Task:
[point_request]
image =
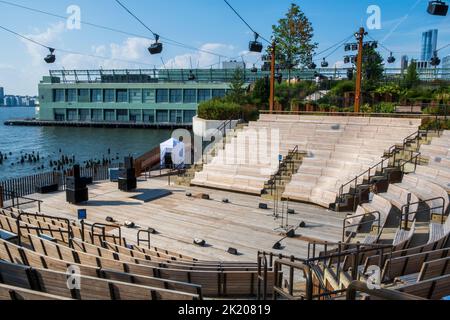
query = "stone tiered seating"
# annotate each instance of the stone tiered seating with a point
(338, 160)
(359, 142)
(399, 198)
(426, 190)
(440, 176)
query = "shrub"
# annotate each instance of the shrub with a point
(385, 107)
(218, 109)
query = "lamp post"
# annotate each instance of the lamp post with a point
(360, 37)
(272, 78)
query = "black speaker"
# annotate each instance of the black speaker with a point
(127, 173)
(127, 184)
(233, 251)
(73, 183)
(129, 163)
(77, 196)
(290, 233)
(76, 171)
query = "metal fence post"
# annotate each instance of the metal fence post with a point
(1, 196)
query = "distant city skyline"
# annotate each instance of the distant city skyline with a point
(429, 44)
(206, 24)
(11, 100)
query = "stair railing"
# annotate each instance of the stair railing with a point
(406, 213)
(362, 223)
(389, 156)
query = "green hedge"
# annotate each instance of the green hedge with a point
(217, 109)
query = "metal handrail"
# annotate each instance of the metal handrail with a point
(361, 223)
(69, 230)
(278, 288)
(103, 226)
(405, 216)
(16, 204)
(359, 286)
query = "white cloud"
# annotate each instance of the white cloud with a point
(47, 37)
(201, 59)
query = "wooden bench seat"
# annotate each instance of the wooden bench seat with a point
(55, 283)
(16, 293)
(434, 289)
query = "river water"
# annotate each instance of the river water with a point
(51, 143)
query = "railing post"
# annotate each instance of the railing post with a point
(1, 196)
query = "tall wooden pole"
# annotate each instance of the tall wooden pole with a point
(360, 38)
(272, 79)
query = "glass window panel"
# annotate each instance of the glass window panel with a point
(96, 95)
(122, 95)
(190, 96)
(218, 93)
(58, 95)
(162, 116)
(71, 95)
(97, 115)
(188, 115)
(176, 96)
(109, 95)
(204, 95)
(83, 95)
(162, 95)
(110, 115)
(149, 116)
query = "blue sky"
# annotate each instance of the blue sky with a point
(208, 24)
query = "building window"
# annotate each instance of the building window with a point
(122, 115)
(60, 114)
(71, 95)
(176, 96)
(72, 115)
(83, 95)
(109, 115)
(190, 96)
(58, 95)
(162, 116)
(176, 116)
(135, 96)
(135, 116)
(109, 95)
(204, 95)
(149, 116)
(85, 114)
(162, 96)
(218, 93)
(188, 115)
(96, 95)
(97, 115)
(122, 95)
(148, 96)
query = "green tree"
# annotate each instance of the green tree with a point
(237, 87)
(293, 37)
(261, 91)
(411, 79)
(373, 68)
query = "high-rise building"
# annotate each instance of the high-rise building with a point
(2, 95)
(404, 63)
(429, 44)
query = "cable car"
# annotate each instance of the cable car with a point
(350, 74)
(374, 45)
(435, 61)
(354, 47)
(191, 76)
(354, 59)
(312, 65)
(437, 8)
(157, 47)
(254, 69)
(391, 59)
(255, 46)
(346, 59)
(279, 77)
(348, 47)
(50, 58)
(324, 63)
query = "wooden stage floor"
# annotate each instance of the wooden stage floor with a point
(179, 219)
